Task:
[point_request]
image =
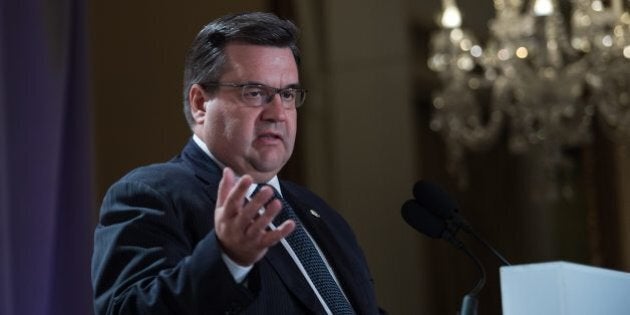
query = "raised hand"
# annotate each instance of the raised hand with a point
(241, 229)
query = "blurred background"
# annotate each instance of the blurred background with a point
(92, 89)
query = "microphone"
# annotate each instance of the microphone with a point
(439, 202)
(442, 205)
(428, 223)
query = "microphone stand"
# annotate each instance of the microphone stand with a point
(459, 221)
(470, 302)
(488, 246)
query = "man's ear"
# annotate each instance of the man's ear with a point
(197, 98)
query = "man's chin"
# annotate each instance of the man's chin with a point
(269, 166)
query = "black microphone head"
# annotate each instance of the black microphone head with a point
(435, 199)
(422, 219)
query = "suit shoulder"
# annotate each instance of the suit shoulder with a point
(161, 178)
(159, 172)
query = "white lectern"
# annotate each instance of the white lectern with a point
(562, 288)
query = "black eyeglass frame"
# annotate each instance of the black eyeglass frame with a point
(298, 93)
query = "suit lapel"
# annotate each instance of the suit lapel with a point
(292, 277)
(203, 166)
(338, 256)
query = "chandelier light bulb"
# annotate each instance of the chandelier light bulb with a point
(457, 35)
(597, 6)
(543, 7)
(476, 51)
(451, 17)
(503, 54)
(607, 41)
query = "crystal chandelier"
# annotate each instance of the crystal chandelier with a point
(542, 75)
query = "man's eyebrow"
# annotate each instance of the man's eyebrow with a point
(289, 86)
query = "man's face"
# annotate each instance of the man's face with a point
(252, 140)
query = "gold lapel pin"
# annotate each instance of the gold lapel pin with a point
(314, 213)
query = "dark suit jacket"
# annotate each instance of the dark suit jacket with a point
(155, 250)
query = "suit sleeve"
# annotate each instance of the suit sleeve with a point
(146, 262)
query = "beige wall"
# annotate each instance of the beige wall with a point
(360, 146)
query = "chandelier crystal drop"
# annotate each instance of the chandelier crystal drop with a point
(542, 75)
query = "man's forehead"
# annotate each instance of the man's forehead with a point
(258, 62)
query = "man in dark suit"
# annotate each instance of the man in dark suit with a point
(214, 231)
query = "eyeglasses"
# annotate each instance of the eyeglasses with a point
(256, 95)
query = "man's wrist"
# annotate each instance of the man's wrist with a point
(238, 272)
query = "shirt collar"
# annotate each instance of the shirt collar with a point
(274, 182)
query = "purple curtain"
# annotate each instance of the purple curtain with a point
(46, 204)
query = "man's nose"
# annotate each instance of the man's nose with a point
(274, 110)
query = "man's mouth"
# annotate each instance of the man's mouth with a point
(269, 136)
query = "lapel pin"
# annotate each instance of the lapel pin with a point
(314, 213)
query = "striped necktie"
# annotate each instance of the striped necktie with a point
(312, 261)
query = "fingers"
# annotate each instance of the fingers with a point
(266, 237)
(240, 228)
(282, 231)
(261, 222)
(232, 194)
(225, 185)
